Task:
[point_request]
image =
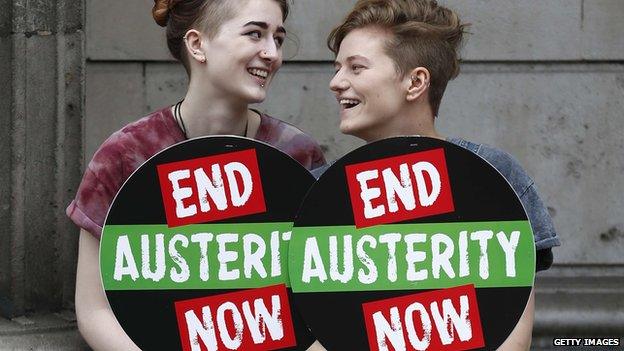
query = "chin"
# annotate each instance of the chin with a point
(344, 128)
(360, 131)
(347, 129)
(255, 97)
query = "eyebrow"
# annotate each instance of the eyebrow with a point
(265, 26)
(352, 58)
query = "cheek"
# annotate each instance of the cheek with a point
(383, 98)
(385, 101)
(395, 95)
(278, 63)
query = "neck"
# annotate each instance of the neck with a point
(417, 120)
(207, 113)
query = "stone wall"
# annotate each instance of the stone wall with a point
(41, 114)
(42, 63)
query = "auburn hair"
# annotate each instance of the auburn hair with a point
(423, 34)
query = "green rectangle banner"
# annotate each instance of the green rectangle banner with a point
(412, 256)
(202, 256)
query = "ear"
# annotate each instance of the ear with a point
(193, 42)
(419, 81)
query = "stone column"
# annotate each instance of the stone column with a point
(41, 113)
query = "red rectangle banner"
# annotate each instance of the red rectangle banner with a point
(446, 319)
(254, 320)
(399, 188)
(211, 188)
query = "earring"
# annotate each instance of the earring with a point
(416, 78)
(203, 59)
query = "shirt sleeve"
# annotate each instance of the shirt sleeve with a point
(100, 183)
(543, 229)
(541, 223)
(542, 226)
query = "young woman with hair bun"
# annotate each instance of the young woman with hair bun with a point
(231, 50)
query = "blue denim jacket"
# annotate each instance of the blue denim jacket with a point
(523, 185)
(541, 223)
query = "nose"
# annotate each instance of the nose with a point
(270, 51)
(338, 83)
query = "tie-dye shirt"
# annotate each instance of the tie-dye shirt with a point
(124, 151)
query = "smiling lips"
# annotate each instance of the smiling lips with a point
(259, 73)
(348, 103)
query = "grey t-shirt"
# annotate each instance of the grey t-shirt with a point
(541, 223)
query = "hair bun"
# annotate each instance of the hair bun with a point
(161, 9)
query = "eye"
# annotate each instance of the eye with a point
(357, 68)
(256, 34)
(279, 41)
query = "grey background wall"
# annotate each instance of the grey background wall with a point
(41, 113)
(543, 80)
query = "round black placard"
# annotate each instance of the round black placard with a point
(194, 248)
(411, 243)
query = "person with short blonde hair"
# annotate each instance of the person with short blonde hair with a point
(432, 42)
(394, 59)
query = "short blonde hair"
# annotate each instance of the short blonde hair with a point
(424, 34)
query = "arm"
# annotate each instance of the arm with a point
(520, 337)
(96, 320)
